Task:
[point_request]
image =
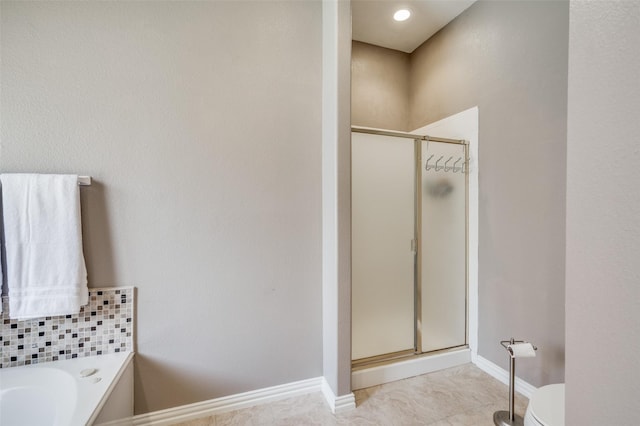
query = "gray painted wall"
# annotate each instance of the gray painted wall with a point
(603, 211)
(509, 59)
(380, 87)
(203, 134)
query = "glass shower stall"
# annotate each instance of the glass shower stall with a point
(409, 245)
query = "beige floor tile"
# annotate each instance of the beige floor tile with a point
(480, 416)
(205, 421)
(252, 416)
(460, 396)
(310, 409)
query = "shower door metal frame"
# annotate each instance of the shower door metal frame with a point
(417, 246)
(407, 135)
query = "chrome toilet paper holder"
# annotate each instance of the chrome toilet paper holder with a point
(510, 418)
(507, 344)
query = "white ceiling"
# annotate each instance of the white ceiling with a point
(373, 21)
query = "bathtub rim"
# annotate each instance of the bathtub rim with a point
(111, 368)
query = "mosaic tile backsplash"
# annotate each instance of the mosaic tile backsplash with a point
(104, 326)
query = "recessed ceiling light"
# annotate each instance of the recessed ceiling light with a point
(402, 15)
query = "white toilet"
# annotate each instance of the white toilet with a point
(546, 407)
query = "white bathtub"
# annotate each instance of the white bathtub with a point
(56, 393)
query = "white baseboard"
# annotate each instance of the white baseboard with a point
(338, 404)
(501, 374)
(403, 369)
(235, 402)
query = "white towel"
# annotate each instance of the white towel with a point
(1, 251)
(1, 279)
(46, 273)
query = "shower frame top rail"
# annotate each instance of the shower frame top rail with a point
(406, 135)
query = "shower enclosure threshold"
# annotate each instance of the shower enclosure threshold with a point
(382, 359)
(400, 366)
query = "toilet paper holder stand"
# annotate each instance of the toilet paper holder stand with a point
(510, 418)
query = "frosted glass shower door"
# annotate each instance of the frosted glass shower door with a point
(383, 182)
(443, 247)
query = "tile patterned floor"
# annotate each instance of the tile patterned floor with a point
(459, 396)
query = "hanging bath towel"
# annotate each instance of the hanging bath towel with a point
(1, 232)
(45, 269)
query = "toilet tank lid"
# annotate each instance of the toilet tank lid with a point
(547, 405)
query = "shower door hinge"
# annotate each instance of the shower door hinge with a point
(414, 246)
